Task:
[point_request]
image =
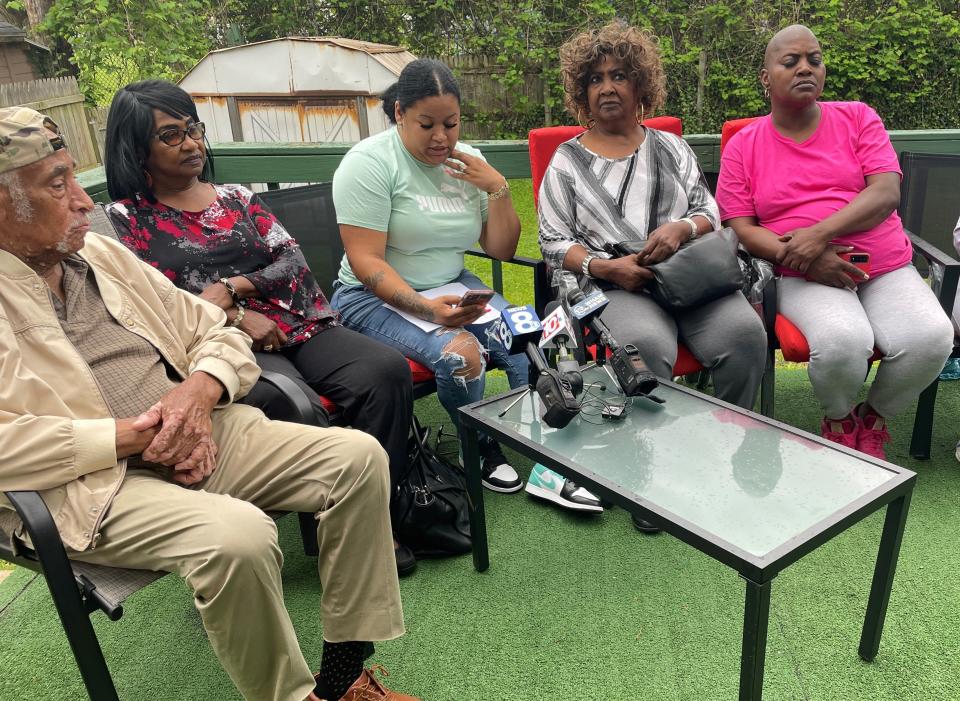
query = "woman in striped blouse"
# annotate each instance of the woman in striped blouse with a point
(619, 181)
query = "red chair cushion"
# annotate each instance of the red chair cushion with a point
(328, 405)
(686, 364)
(544, 141)
(793, 344)
(421, 373)
(674, 125)
(731, 127)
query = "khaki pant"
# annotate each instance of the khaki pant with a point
(217, 538)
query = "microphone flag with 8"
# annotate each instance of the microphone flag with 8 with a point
(519, 330)
(632, 373)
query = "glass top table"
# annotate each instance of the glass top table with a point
(753, 493)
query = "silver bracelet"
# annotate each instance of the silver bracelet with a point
(693, 227)
(585, 265)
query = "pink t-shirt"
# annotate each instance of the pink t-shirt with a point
(787, 185)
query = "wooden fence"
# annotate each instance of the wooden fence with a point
(487, 101)
(97, 119)
(62, 100)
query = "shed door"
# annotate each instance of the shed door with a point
(299, 120)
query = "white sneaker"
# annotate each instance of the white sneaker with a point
(546, 484)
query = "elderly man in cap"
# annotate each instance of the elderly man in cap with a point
(115, 403)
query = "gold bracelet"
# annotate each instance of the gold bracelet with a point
(500, 193)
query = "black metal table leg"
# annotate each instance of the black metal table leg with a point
(469, 441)
(883, 576)
(756, 615)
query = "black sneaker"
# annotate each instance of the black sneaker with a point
(496, 474)
(643, 525)
(406, 562)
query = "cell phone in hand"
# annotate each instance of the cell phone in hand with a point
(472, 297)
(857, 258)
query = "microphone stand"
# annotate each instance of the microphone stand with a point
(601, 361)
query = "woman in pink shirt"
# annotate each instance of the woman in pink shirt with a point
(802, 187)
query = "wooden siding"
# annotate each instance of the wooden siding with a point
(15, 65)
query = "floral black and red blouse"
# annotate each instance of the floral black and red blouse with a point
(236, 235)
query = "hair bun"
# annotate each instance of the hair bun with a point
(389, 98)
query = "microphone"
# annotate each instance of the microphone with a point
(517, 331)
(558, 333)
(632, 373)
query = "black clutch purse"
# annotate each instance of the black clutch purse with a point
(700, 271)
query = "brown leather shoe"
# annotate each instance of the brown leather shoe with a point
(367, 688)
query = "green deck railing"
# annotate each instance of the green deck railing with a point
(276, 163)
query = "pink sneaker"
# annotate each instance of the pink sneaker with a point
(842, 431)
(872, 435)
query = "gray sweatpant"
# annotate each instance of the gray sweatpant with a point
(896, 312)
(725, 335)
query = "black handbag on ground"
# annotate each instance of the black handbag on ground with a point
(430, 509)
(700, 271)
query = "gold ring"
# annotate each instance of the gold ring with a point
(268, 347)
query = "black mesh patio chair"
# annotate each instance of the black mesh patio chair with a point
(307, 212)
(929, 208)
(78, 588)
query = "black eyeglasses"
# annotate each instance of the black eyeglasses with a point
(174, 136)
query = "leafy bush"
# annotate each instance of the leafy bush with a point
(901, 56)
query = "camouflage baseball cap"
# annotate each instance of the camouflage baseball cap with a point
(23, 137)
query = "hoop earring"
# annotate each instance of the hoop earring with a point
(588, 125)
(640, 116)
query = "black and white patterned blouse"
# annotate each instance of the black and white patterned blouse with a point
(590, 200)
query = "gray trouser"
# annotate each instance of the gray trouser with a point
(896, 312)
(725, 335)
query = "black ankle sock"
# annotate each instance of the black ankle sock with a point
(340, 666)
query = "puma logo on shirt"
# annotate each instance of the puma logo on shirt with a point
(430, 203)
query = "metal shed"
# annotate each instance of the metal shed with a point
(297, 89)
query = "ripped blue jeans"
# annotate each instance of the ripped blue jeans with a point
(363, 311)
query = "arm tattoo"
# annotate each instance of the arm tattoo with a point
(372, 280)
(411, 303)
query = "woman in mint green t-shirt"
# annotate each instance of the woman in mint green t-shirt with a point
(410, 201)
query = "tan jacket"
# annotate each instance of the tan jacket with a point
(57, 435)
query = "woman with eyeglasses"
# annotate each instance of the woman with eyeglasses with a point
(221, 243)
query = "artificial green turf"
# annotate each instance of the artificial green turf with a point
(577, 608)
